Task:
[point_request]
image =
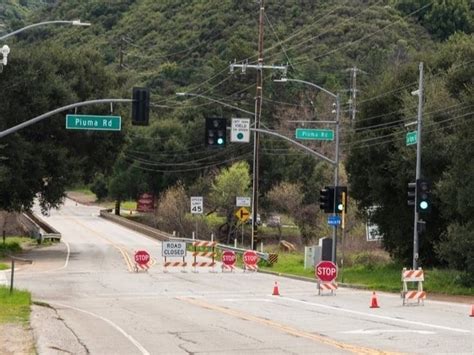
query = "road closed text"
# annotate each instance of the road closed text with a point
(174, 249)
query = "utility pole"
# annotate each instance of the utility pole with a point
(121, 53)
(353, 92)
(258, 113)
(418, 92)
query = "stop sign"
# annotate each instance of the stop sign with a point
(325, 271)
(142, 257)
(228, 258)
(250, 257)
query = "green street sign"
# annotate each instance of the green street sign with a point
(315, 134)
(92, 122)
(411, 138)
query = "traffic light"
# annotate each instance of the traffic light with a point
(340, 203)
(411, 194)
(423, 196)
(216, 132)
(140, 106)
(326, 199)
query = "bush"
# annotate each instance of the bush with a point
(457, 249)
(9, 247)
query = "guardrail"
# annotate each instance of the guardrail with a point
(163, 236)
(39, 229)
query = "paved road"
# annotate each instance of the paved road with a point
(99, 306)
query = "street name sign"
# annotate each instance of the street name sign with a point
(241, 201)
(242, 214)
(411, 138)
(326, 271)
(171, 249)
(240, 130)
(314, 134)
(94, 122)
(197, 205)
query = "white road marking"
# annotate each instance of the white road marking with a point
(378, 331)
(369, 315)
(120, 330)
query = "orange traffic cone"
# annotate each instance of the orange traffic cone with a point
(374, 303)
(275, 290)
(472, 311)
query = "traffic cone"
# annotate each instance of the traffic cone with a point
(275, 290)
(472, 311)
(374, 303)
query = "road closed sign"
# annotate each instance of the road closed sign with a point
(173, 249)
(326, 271)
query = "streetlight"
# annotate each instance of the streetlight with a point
(5, 50)
(336, 160)
(74, 23)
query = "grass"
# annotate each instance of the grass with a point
(4, 266)
(381, 277)
(83, 190)
(14, 245)
(14, 307)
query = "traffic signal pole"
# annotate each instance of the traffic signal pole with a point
(336, 181)
(419, 92)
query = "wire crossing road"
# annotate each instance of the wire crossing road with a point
(98, 305)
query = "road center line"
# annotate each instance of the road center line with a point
(112, 324)
(369, 315)
(283, 328)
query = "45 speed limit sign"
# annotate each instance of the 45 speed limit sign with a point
(196, 205)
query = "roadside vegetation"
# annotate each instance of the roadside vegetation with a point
(15, 307)
(369, 271)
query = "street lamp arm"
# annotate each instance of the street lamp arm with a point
(58, 110)
(298, 144)
(74, 23)
(216, 101)
(307, 83)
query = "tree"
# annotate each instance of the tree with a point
(231, 182)
(41, 160)
(172, 211)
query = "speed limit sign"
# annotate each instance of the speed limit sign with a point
(196, 205)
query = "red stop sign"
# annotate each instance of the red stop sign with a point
(228, 258)
(250, 257)
(142, 257)
(326, 271)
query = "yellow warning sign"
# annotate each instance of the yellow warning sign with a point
(242, 214)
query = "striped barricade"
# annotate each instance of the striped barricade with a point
(205, 254)
(250, 267)
(167, 264)
(326, 286)
(418, 295)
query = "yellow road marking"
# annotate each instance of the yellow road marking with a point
(284, 328)
(122, 251)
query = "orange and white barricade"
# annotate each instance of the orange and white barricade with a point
(167, 264)
(327, 286)
(206, 254)
(417, 276)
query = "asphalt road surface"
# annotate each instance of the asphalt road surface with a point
(95, 303)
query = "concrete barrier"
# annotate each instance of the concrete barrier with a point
(135, 226)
